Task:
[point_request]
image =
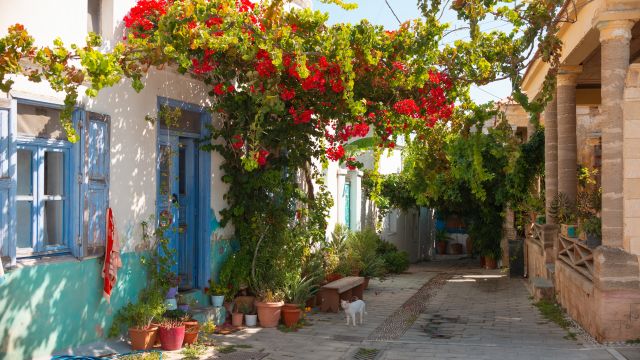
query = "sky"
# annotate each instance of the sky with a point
(377, 12)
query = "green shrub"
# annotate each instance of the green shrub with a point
(396, 262)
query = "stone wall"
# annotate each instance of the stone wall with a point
(576, 294)
(631, 155)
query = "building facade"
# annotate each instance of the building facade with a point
(593, 120)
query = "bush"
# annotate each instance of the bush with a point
(396, 262)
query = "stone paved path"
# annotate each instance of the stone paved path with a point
(439, 310)
(472, 314)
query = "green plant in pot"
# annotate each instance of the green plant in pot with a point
(250, 316)
(139, 317)
(269, 307)
(592, 228)
(564, 212)
(297, 291)
(589, 204)
(217, 293)
(172, 332)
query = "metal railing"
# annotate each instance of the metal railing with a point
(576, 254)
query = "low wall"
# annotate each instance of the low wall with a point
(535, 260)
(49, 307)
(576, 294)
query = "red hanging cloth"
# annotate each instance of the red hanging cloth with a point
(112, 259)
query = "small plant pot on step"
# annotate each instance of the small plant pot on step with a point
(569, 230)
(217, 300)
(171, 338)
(191, 329)
(143, 339)
(291, 316)
(490, 263)
(236, 319)
(269, 313)
(251, 320)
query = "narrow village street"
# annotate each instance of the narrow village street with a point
(437, 310)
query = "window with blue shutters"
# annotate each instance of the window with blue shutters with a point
(53, 194)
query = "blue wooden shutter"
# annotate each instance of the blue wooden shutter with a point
(8, 160)
(95, 187)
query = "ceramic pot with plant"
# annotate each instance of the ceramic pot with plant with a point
(172, 333)
(250, 316)
(297, 290)
(191, 328)
(183, 303)
(217, 293)
(140, 317)
(269, 308)
(592, 228)
(174, 281)
(563, 211)
(237, 318)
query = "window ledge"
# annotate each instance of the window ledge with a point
(24, 263)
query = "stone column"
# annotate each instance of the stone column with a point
(550, 154)
(567, 143)
(614, 40)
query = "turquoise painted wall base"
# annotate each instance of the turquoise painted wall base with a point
(54, 306)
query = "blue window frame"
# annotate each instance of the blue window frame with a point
(42, 197)
(53, 194)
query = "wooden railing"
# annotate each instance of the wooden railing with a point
(536, 235)
(576, 254)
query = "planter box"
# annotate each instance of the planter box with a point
(569, 230)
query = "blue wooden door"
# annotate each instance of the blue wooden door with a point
(346, 198)
(177, 202)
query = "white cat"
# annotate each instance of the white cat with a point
(353, 308)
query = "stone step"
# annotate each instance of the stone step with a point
(542, 289)
(210, 313)
(551, 271)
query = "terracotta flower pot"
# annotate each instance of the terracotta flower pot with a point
(469, 246)
(442, 247)
(143, 339)
(490, 263)
(236, 319)
(291, 316)
(191, 329)
(456, 249)
(269, 313)
(483, 261)
(366, 282)
(171, 338)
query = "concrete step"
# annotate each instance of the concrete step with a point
(551, 271)
(542, 289)
(210, 313)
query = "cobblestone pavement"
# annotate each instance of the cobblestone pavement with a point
(438, 310)
(464, 313)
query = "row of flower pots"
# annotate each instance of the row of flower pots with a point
(268, 313)
(171, 335)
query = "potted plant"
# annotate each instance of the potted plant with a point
(456, 249)
(442, 238)
(139, 317)
(373, 266)
(297, 291)
(563, 211)
(269, 308)
(491, 259)
(184, 303)
(237, 315)
(191, 328)
(592, 228)
(250, 316)
(172, 333)
(174, 281)
(217, 293)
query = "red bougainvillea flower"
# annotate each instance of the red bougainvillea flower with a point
(287, 94)
(261, 157)
(351, 163)
(407, 107)
(219, 89)
(245, 5)
(264, 66)
(231, 88)
(143, 17)
(214, 21)
(335, 153)
(238, 143)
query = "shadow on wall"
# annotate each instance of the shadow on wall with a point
(50, 307)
